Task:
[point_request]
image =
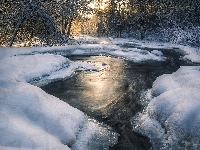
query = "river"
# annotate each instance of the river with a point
(112, 95)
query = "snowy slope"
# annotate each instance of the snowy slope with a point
(33, 119)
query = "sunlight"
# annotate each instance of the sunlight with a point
(98, 4)
(104, 42)
(103, 88)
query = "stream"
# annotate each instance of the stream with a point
(112, 95)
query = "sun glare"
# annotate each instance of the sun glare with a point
(98, 4)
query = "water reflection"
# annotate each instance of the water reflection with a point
(101, 88)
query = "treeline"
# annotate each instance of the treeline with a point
(165, 20)
(48, 20)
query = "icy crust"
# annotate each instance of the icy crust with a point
(33, 119)
(39, 67)
(172, 118)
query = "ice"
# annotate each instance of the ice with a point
(137, 55)
(157, 53)
(191, 53)
(175, 110)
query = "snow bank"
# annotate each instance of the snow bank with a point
(138, 55)
(191, 53)
(95, 46)
(172, 118)
(132, 54)
(39, 67)
(33, 119)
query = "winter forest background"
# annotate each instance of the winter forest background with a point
(54, 22)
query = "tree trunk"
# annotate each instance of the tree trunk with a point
(69, 28)
(15, 32)
(63, 22)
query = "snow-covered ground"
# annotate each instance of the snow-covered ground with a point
(33, 119)
(41, 68)
(132, 54)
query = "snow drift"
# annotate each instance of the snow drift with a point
(172, 118)
(33, 119)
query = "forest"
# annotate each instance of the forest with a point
(54, 22)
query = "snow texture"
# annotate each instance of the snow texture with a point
(172, 118)
(94, 46)
(33, 119)
(39, 68)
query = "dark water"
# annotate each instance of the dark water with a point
(112, 95)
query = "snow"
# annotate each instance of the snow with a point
(191, 53)
(132, 54)
(172, 117)
(39, 68)
(33, 119)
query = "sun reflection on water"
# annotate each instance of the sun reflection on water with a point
(103, 87)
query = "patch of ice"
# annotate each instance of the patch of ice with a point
(137, 55)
